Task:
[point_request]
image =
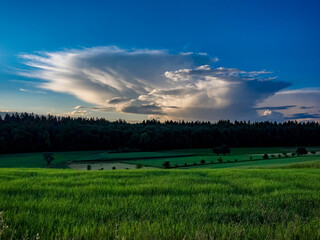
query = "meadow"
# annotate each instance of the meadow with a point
(160, 204)
(239, 157)
(277, 198)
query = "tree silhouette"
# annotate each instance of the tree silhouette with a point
(48, 157)
(166, 164)
(301, 151)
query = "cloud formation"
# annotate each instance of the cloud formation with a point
(299, 104)
(154, 82)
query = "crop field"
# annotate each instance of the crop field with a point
(34, 160)
(239, 157)
(160, 204)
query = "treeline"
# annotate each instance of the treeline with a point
(32, 133)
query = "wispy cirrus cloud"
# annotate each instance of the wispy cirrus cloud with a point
(159, 84)
(32, 91)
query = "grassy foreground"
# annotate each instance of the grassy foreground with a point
(160, 204)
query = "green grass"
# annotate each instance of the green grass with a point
(130, 155)
(156, 159)
(35, 160)
(160, 204)
(312, 164)
(241, 154)
(270, 163)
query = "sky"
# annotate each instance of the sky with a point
(169, 60)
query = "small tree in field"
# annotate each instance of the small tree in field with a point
(301, 151)
(48, 157)
(220, 160)
(225, 149)
(203, 161)
(216, 150)
(166, 164)
(265, 156)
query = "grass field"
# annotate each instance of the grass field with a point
(240, 154)
(156, 159)
(35, 160)
(160, 204)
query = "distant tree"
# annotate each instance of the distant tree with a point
(48, 157)
(216, 150)
(166, 164)
(225, 149)
(139, 165)
(313, 152)
(265, 156)
(251, 158)
(293, 154)
(88, 167)
(301, 151)
(220, 160)
(113, 168)
(203, 161)
(236, 160)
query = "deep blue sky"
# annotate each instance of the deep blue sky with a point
(278, 36)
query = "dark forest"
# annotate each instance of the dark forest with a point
(32, 133)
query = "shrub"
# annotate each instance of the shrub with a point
(166, 164)
(220, 160)
(113, 168)
(293, 154)
(236, 160)
(279, 155)
(273, 156)
(265, 156)
(251, 158)
(301, 151)
(313, 152)
(203, 161)
(48, 157)
(139, 165)
(88, 167)
(223, 149)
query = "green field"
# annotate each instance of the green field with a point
(278, 198)
(160, 204)
(156, 159)
(239, 154)
(34, 160)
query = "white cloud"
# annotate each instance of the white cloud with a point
(304, 104)
(75, 113)
(31, 91)
(153, 82)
